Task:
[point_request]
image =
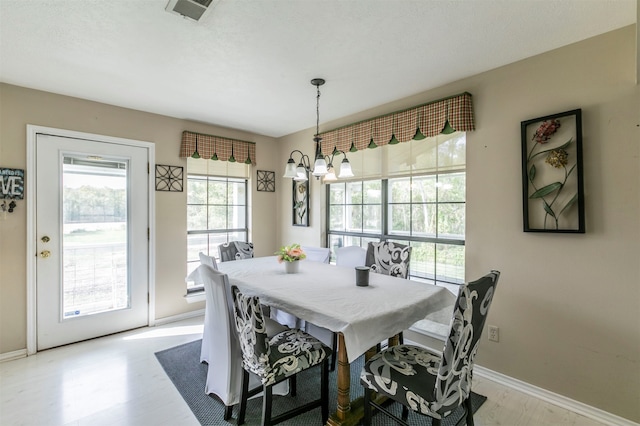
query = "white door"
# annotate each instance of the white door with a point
(92, 239)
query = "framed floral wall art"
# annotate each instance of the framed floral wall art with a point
(300, 200)
(552, 184)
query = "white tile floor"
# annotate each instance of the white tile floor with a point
(116, 380)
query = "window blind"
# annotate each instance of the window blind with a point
(440, 153)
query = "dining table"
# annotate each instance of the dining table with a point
(327, 296)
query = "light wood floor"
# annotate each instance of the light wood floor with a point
(116, 380)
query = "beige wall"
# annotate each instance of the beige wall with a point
(20, 106)
(568, 306)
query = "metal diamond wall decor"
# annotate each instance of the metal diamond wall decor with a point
(168, 178)
(266, 181)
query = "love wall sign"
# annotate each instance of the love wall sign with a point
(11, 184)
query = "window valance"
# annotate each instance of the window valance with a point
(209, 147)
(454, 113)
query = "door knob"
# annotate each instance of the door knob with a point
(45, 239)
(45, 253)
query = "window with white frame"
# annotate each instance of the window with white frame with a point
(411, 193)
(217, 200)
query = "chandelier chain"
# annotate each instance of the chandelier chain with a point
(318, 111)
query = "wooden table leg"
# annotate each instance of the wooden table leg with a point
(340, 417)
(394, 341)
(348, 412)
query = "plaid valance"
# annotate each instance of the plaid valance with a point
(217, 148)
(422, 121)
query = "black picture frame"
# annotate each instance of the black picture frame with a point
(300, 202)
(552, 173)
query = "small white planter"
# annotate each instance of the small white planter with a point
(292, 267)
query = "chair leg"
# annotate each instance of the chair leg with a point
(228, 412)
(405, 413)
(334, 347)
(243, 396)
(267, 400)
(324, 391)
(469, 410)
(293, 386)
(366, 420)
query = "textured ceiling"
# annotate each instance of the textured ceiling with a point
(248, 63)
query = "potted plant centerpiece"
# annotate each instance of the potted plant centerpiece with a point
(291, 257)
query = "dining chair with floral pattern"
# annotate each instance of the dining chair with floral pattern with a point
(389, 258)
(220, 345)
(276, 359)
(427, 382)
(235, 250)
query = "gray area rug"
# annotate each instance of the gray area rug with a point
(182, 365)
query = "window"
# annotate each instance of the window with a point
(418, 198)
(216, 209)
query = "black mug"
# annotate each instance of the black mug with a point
(362, 276)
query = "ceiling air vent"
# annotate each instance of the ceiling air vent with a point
(192, 9)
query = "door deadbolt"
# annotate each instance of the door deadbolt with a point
(45, 239)
(45, 253)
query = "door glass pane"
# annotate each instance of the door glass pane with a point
(94, 241)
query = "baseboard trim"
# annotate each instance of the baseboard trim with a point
(554, 398)
(179, 317)
(10, 356)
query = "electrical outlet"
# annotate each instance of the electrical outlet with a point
(494, 333)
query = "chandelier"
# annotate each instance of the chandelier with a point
(323, 165)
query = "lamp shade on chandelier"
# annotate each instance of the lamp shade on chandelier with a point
(323, 165)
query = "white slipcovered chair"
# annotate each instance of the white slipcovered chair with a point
(208, 260)
(317, 254)
(195, 276)
(351, 256)
(223, 354)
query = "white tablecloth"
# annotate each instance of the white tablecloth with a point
(327, 296)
